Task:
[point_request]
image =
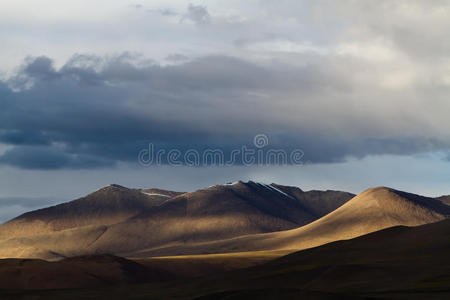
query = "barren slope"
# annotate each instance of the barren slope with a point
(215, 213)
(370, 211)
(109, 205)
(444, 199)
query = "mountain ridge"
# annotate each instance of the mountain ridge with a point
(216, 212)
(235, 217)
(108, 205)
(372, 210)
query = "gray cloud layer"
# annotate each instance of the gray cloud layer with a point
(94, 111)
(337, 80)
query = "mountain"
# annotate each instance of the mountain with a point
(318, 203)
(444, 199)
(216, 213)
(108, 205)
(352, 251)
(135, 221)
(370, 211)
(159, 196)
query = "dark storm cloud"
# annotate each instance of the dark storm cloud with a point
(41, 68)
(94, 112)
(48, 158)
(20, 137)
(96, 115)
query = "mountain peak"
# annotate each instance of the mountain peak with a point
(112, 187)
(108, 205)
(379, 189)
(389, 198)
(116, 186)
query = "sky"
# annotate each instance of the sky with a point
(359, 88)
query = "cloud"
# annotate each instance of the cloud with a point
(137, 6)
(95, 112)
(167, 12)
(48, 158)
(41, 68)
(177, 57)
(20, 137)
(197, 14)
(194, 14)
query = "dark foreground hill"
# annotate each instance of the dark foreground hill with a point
(76, 272)
(395, 263)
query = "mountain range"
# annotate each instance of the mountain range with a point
(233, 238)
(370, 211)
(120, 220)
(234, 217)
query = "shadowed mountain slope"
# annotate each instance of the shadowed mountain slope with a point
(108, 205)
(444, 199)
(319, 203)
